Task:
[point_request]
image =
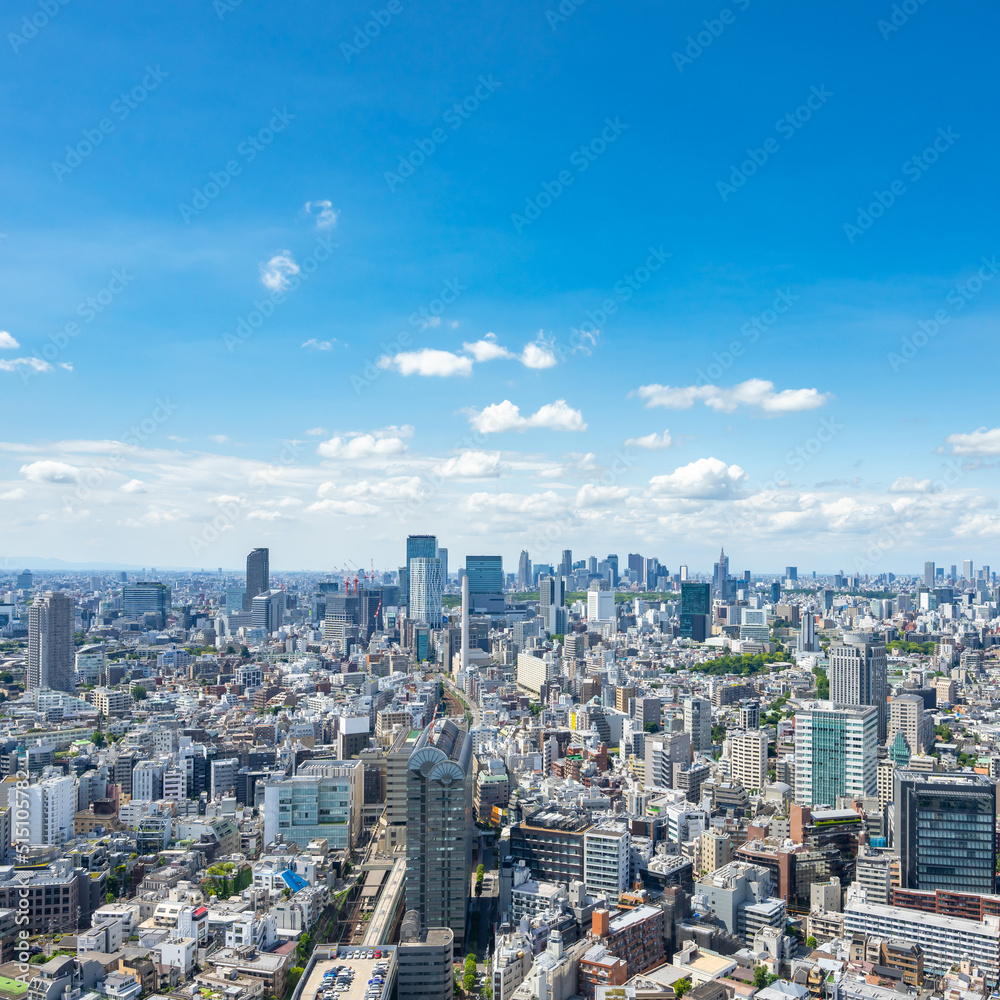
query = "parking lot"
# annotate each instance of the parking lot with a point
(352, 975)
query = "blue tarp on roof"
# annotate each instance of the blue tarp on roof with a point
(293, 881)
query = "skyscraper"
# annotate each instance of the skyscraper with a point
(720, 576)
(929, 575)
(524, 571)
(426, 590)
(485, 575)
(51, 660)
(612, 561)
(836, 753)
(944, 831)
(551, 597)
(268, 610)
(438, 827)
(696, 606)
(139, 599)
(791, 572)
(258, 575)
(967, 570)
(566, 562)
(858, 675)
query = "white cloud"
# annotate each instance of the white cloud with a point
(428, 362)
(320, 345)
(538, 354)
(909, 484)
(134, 486)
(66, 365)
(34, 364)
(219, 438)
(378, 444)
(470, 465)
(316, 431)
(326, 215)
(275, 274)
(352, 508)
(17, 494)
(754, 392)
(487, 349)
(392, 488)
(979, 442)
(590, 495)
(703, 479)
(651, 442)
(506, 416)
(7, 342)
(48, 471)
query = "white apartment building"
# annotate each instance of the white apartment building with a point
(607, 855)
(748, 759)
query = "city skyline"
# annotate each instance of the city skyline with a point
(512, 295)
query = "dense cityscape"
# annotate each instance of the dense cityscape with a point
(599, 778)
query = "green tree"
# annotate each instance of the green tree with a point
(650, 727)
(98, 740)
(294, 975)
(762, 978)
(138, 693)
(811, 942)
(822, 683)
(681, 987)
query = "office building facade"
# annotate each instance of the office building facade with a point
(51, 661)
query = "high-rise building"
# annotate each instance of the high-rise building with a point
(748, 759)
(634, 565)
(551, 597)
(858, 675)
(258, 575)
(600, 603)
(807, 633)
(944, 830)
(268, 610)
(698, 723)
(612, 562)
(908, 717)
(791, 572)
(324, 800)
(663, 751)
(524, 572)
(25, 580)
(566, 563)
(140, 599)
(442, 554)
(720, 576)
(485, 575)
(426, 590)
(696, 606)
(929, 574)
(50, 643)
(967, 570)
(439, 827)
(836, 753)
(44, 811)
(607, 855)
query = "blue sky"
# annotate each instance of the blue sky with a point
(590, 140)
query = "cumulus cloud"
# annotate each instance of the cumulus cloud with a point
(506, 416)
(134, 486)
(470, 465)
(377, 444)
(316, 431)
(433, 362)
(910, 484)
(487, 349)
(392, 488)
(320, 345)
(16, 494)
(323, 211)
(703, 479)
(428, 362)
(7, 342)
(32, 364)
(651, 442)
(590, 495)
(352, 508)
(48, 471)
(754, 392)
(277, 273)
(539, 354)
(979, 442)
